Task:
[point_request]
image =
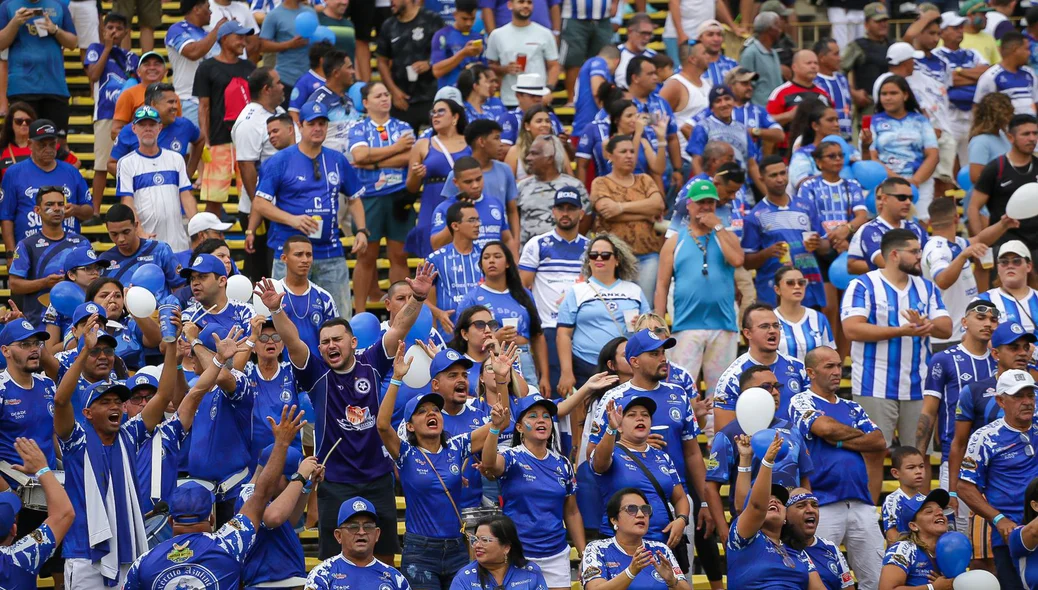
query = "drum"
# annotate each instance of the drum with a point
(32, 495)
(472, 516)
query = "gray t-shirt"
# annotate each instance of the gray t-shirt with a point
(280, 26)
(535, 202)
(508, 42)
(756, 58)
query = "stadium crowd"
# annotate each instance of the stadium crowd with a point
(620, 342)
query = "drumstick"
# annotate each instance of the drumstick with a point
(203, 314)
(330, 451)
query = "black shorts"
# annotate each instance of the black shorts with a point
(379, 491)
(824, 262)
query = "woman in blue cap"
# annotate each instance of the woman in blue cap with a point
(133, 335)
(81, 267)
(430, 467)
(911, 561)
(500, 560)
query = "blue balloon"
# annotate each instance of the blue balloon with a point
(869, 173)
(366, 329)
(953, 553)
(149, 276)
(762, 440)
(66, 296)
(870, 202)
(847, 149)
(963, 179)
(915, 194)
(306, 24)
(421, 328)
(130, 83)
(839, 276)
(325, 34)
(846, 173)
(354, 94)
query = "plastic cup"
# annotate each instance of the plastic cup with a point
(169, 331)
(521, 60)
(510, 323)
(316, 234)
(630, 317)
(987, 261)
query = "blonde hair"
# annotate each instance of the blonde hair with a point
(645, 318)
(626, 262)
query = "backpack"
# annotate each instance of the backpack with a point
(235, 98)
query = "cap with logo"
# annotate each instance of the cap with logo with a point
(10, 506)
(1013, 381)
(974, 7)
(740, 74)
(567, 195)
(646, 341)
(101, 336)
(81, 257)
(637, 399)
(524, 404)
(412, 404)
(446, 359)
(313, 110)
(101, 388)
(19, 330)
(191, 503)
(87, 309)
(1014, 247)
(901, 52)
(354, 506)
(142, 380)
(777, 7)
(531, 84)
(43, 129)
(951, 19)
(205, 263)
(206, 221)
(876, 11)
(232, 27)
(145, 113)
(910, 507)
(292, 459)
(718, 91)
(701, 190)
(1009, 332)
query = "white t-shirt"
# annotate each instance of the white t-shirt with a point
(693, 13)
(251, 141)
(155, 184)
(507, 42)
(937, 255)
(236, 11)
(994, 18)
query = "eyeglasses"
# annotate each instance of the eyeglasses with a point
(473, 539)
(988, 309)
(437, 112)
(317, 170)
(29, 344)
(98, 350)
(141, 399)
(773, 386)
(265, 338)
(775, 326)
(1015, 261)
(634, 509)
(22, 121)
(900, 196)
(598, 255)
(646, 33)
(483, 324)
(795, 282)
(355, 527)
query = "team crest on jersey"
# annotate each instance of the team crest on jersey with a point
(496, 214)
(212, 413)
(286, 395)
(175, 145)
(363, 385)
(316, 318)
(793, 385)
(333, 177)
(675, 415)
(185, 577)
(180, 553)
(157, 179)
(455, 469)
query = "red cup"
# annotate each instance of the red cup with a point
(521, 60)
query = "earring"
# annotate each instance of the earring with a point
(616, 528)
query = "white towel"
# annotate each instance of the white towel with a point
(102, 515)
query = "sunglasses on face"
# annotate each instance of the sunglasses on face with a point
(265, 338)
(771, 386)
(105, 350)
(1017, 261)
(795, 282)
(634, 509)
(437, 112)
(20, 122)
(900, 196)
(483, 325)
(599, 255)
(660, 331)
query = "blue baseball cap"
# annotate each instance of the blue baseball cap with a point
(292, 459)
(10, 505)
(524, 404)
(718, 91)
(313, 110)
(145, 113)
(204, 263)
(354, 506)
(142, 380)
(446, 359)
(636, 399)
(232, 27)
(101, 335)
(81, 257)
(1009, 332)
(85, 310)
(19, 330)
(191, 503)
(567, 195)
(646, 341)
(910, 507)
(414, 402)
(95, 391)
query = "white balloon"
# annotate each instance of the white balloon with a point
(976, 580)
(141, 302)
(239, 288)
(418, 375)
(755, 409)
(1024, 202)
(257, 303)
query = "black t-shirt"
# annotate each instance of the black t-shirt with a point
(212, 80)
(999, 180)
(406, 43)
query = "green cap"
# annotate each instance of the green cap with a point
(702, 189)
(876, 11)
(974, 7)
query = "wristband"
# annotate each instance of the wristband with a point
(765, 463)
(419, 299)
(703, 505)
(683, 517)
(495, 431)
(276, 311)
(41, 472)
(396, 382)
(250, 344)
(997, 518)
(196, 342)
(627, 570)
(929, 587)
(610, 431)
(953, 494)
(218, 363)
(746, 470)
(839, 444)
(180, 367)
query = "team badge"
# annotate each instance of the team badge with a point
(180, 553)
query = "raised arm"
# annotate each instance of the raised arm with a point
(289, 504)
(756, 511)
(388, 434)
(154, 413)
(420, 285)
(298, 353)
(602, 458)
(64, 415)
(284, 433)
(494, 464)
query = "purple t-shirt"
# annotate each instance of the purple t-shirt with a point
(503, 16)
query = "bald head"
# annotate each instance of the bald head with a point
(805, 67)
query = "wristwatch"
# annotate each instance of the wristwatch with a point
(365, 231)
(298, 477)
(719, 227)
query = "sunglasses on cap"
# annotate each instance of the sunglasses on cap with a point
(988, 309)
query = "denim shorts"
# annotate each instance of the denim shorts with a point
(430, 564)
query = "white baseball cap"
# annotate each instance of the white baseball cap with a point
(1012, 381)
(206, 221)
(951, 19)
(1014, 247)
(901, 52)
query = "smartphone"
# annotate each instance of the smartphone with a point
(36, 11)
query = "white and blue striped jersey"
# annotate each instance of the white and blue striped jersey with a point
(1020, 86)
(457, 274)
(839, 90)
(809, 332)
(938, 254)
(557, 263)
(1022, 311)
(716, 70)
(835, 203)
(155, 184)
(890, 369)
(789, 371)
(951, 370)
(585, 9)
(866, 241)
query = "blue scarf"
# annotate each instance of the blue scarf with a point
(107, 465)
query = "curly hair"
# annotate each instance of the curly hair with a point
(626, 262)
(991, 115)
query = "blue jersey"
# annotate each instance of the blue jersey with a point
(457, 274)
(950, 371)
(839, 91)
(270, 396)
(122, 267)
(341, 116)
(448, 42)
(673, 410)
(489, 112)
(830, 564)
(367, 133)
(890, 513)
(841, 475)
(472, 415)
(22, 181)
(196, 560)
(583, 99)
(684, 380)
(659, 108)
(308, 311)
(37, 62)
(804, 335)
(865, 243)
(1020, 86)
(129, 341)
(716, 70)
(346, 405)
(444, 8)
(733, 133)
(604, 559)
(175, 137)
(1023, 554)
(895, 368)
(753, 116)
(276, 553)
(789, 371)
(768, 224)
(512, 122)
(977, 404)
(758, 563)
(535, 492)
(556, 263)
(998, 458)
(498, 182)
(834, 203)
(909, 558)
(527, 577)
(1022, 311)
(593, 142)
(37, 257)
(900, 143)
(223, 428)
(493, 219)
(595, 311)
(721, 466)
(65, 360)
(339, 573)
(501, 305)
(300, 185)
(164, 446)
(961, 97)
(220, 322)
(120, 66)
(28, 413)
(21, 562)
(429, 509)
(304, 87)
